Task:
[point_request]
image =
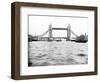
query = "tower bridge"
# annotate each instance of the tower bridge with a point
(52, 38)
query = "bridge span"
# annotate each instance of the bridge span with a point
(51, 37)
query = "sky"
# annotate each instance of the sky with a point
(38, 24)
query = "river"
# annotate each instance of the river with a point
(44, 53)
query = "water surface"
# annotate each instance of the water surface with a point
(43, 53)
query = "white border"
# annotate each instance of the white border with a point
(25, 70)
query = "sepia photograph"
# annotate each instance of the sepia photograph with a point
(57, 40)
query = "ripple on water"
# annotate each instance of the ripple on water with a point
(57, 53)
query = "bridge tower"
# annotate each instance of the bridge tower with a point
(69, 32)
(50, 32)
